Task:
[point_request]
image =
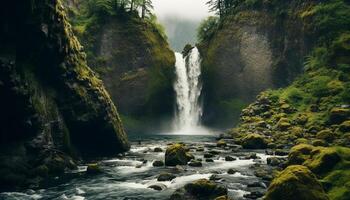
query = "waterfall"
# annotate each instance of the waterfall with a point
(188, 90)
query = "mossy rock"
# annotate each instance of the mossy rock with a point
(318, 159)
(221, 143)
(301, 119)
(203, 189)
(345, 126)
(302, 141)
(254, 141)
(296, 182)
(339, 115)
(299, 154)
(93, 168)
(319, 143)
(297, 131)
(166, 177)
(322, 160)
(283, 124)
(326, 135)
(177, 154)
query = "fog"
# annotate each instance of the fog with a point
(181, 19)
(193, 10)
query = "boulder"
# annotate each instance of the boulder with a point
(166, 177)
(221, 143)
(158, 187)
(296, 182)
(317, 159)
(339, 115)
(158, 149)
(283, 124)
(326, 135)
(177, 154)
(195, 163)
(254, 141)
(231, 171)
(319, 143)
(345, 126)
(230, 158)
(200, 189)
(158, 163)
(93, 169)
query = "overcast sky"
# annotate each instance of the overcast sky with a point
(187, 9)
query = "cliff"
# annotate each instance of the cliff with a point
(313, 111)
(53, 105)
(261, 45)
(135, 62)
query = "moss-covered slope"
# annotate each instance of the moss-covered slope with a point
(53, 105)
(313, 111)
(134, 61)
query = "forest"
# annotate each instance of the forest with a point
(101, 99)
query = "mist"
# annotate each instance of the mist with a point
(181, 19)
(193, 10)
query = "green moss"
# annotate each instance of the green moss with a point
(205, 188)
(254, 141)
(327, 135)
(177, 154)
(296, 182)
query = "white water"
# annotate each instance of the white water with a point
(188, 90)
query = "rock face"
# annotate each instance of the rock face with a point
(135, 63)
(251, 51)
(296, 182)
(52, 103)
(177, 154)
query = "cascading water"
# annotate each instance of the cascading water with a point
(188, 90)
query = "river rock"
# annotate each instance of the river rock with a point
(177, 154)
(93, 169)
(195, 163)
(165, 177)
(208, 155)
(221, 143)
(229, 158)
(200, 189)
(158, 149)
(231, 171)
(158, 163)
(158, 187)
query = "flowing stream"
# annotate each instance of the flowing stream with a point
(188, 90)
(128, 176)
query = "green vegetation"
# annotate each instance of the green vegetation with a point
(207, 28)
(177, 154)
(296, 182)
(330, 164)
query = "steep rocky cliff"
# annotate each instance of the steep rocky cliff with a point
(53, 107)
(310, 117)
(134, 60)
(261, 45)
